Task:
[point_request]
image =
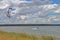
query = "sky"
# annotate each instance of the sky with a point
(28, 0)
(29, 19)
(56, 1)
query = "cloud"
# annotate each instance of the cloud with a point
(35, 12)
(57, 11)
(3, 5)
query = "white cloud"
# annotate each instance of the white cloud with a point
(34, 10)
(49, 6)
(3, 5)
(57, 11)
(22, 17)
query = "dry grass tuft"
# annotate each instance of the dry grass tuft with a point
(22, 36)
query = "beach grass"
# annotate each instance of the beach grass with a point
(22, 36)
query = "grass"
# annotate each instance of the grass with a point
(22, 36)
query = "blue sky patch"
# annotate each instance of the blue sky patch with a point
(55, 1)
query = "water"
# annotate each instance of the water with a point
(38, 30)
